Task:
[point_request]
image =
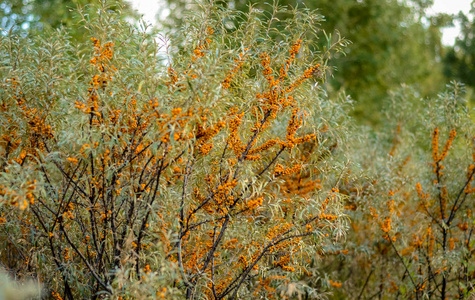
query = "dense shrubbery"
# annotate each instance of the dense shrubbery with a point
(130, 177)
(412, 217)
(215, 166)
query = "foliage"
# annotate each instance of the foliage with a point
(392, 42)
(14, 290)
(214, 163)
(215, 176)
(412, 218)
(459, 60)
(34, 17)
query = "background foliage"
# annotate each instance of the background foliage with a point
(35, 17)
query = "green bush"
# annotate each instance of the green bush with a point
(204, 167)
(411, 234)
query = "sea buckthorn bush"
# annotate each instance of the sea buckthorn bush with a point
(412, 225)
(204, 165)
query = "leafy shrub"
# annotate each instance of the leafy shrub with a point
(207, 170)
(412, 218)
